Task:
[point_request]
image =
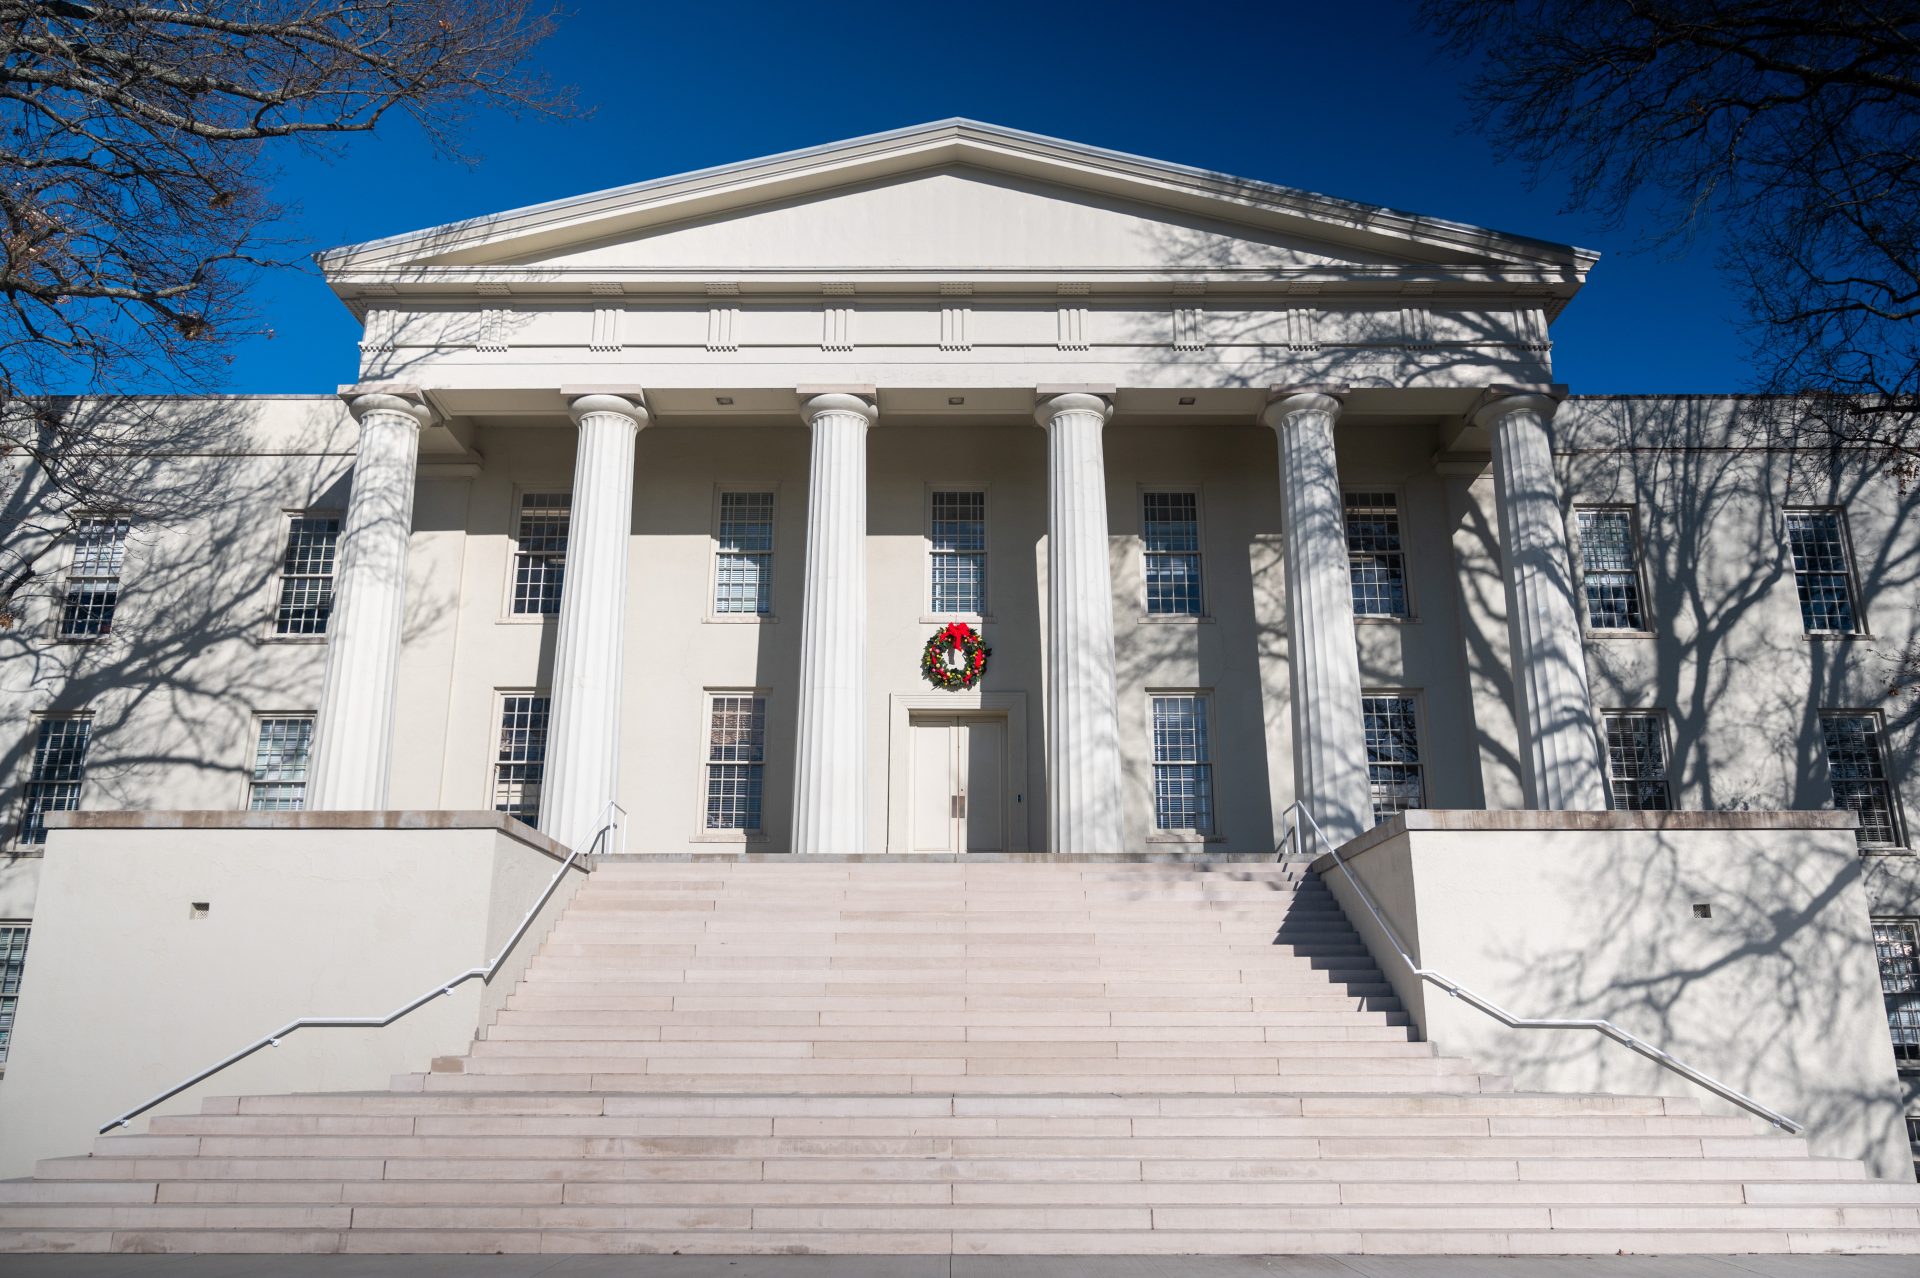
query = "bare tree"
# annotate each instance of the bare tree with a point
(137, 144)
(1793, 127)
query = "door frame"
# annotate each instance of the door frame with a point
(1012, 706)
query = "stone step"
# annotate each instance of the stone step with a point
(660, 1012)
(614, 998)
(928, 1083)
(512, 1027)
(952, 1061)
(899, 1046)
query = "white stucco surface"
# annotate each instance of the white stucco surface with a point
(1592, 915)
(132, 992)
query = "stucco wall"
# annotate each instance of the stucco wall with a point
(308, 916)
(1592, 915)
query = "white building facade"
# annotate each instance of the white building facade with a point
(656, 497)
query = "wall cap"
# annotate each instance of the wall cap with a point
(1464, 819)
(394, 819)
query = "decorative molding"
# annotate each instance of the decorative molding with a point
(607, 323)
(488, 289)
(1073, 328)
(381, 328)
(1303, 328)
(837, 288)
(1189, 328)
(956, 290)
(1074, 290)
(836, 332)
(493, 330)
(953, 328)
(1192, 288)
(1416, 327)
(606, 289)
(723, 289)
(379, 290)
(723, 328)
(1302, 288)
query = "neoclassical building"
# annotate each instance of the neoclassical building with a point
(656, 496)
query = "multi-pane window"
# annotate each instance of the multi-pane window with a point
(1375, 560)
(59, 766)
(93, 581)
(1857, 768)
(1896, 944)
(279, 779)
(736, 761)
(1170, 535)
(1610, 570)
(1393, 754)
(1913, 1142)
(1818, 539)
(306, 575)
(743, 572)
(13, 964)
(1182, 764)
(540, 552)
(958, 546)
(520, 763)
(1637, 763)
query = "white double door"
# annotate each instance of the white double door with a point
(959, 790)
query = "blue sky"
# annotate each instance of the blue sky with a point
(1348, 100)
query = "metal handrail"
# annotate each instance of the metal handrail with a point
(1293, 831)
(483, 974)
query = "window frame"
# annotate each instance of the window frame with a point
(1907, 1064)
(258, 723)
(1156, 833)
(1663, 732)
(704, 760)
(1896, 816)
(288, 514)
(1856, 602)
(929, 617)
(16, 839)
(521, 491)
(496, 726)
(1198, 492)
(1395, 491)
(1419, 703)
(58, 621)
(709, 610)
(1636, 544)
(24, 926)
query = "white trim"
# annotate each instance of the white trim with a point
(901, 707)
(711, 614)
(701, 834)
(521, 488)
(928, 617)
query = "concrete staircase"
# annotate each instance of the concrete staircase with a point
(1008, 1056)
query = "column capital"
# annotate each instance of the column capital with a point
(1497, 401)
(1052, 401)
(1284, 401)
(388, 397)
(629, 402)
(862, 401)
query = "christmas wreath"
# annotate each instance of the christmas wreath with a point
(955, 657)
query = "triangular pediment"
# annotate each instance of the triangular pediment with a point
(957, 218)
(954, 198)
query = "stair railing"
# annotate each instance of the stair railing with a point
(1293, 833)
(613, 820)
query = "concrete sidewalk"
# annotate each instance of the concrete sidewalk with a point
(1749, 1266)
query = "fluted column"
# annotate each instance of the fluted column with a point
(353, 728)
(1083, 727)
(583, 735)
(1560, 761)
(1329, 732)
(830, 770)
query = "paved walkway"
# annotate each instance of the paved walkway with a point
(14, 1266)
